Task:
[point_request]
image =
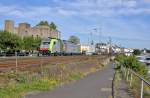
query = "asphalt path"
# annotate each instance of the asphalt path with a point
(95, 85)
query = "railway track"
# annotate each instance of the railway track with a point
(7, 64)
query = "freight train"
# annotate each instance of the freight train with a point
(54, 47)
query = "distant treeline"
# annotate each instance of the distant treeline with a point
(13, 42)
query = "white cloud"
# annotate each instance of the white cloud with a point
(106, 8)
(146, 1)
(6, 9)
(27, 12)
(130, 3)
(66, 12)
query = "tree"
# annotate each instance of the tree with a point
(74, 39)
(12, 42)
(136, 52)
(45, 23)
(37, 42)
(148, 51)
(9, 41)
(28, 41)
(53, 26)
(31, 43)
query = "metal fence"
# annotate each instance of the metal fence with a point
(139, 85)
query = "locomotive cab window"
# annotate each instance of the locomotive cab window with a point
(147, 58)
(46, 43)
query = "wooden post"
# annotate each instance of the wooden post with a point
(131, 80)
(16, 62)
(42, 65)
(128, 75)
(141, 88)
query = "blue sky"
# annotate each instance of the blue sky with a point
(127, 22)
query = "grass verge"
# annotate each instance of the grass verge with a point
(43, 78)
(20, 88)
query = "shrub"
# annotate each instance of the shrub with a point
(131, 62)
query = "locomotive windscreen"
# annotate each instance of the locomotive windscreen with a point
(46, 43)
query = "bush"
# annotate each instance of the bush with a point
(131, 62)
(136, 52)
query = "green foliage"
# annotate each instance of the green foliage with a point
(9, 41)
(75, 76)
(142, 70)
(31, 43)
(28, 42)
(131, 62)
(148, 51)
(53, 26)
(37, 42)
(74, 39)
(45, 23)
(27, 83)
(120, 58)
(136, 52)
(18, 90)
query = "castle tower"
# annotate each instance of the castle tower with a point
(23, 29)
(9, 26)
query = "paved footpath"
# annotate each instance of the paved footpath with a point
(95, 85)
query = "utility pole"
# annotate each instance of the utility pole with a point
(110, 41)
(92, 42)
(100, 34)
(110, 46)
(88, 41)
(95, 30)
(98, 31)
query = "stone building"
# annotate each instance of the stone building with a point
(9, 25)
(25, 29)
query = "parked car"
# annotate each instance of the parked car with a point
(2, 54)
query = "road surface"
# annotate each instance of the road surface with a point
(95, 85)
